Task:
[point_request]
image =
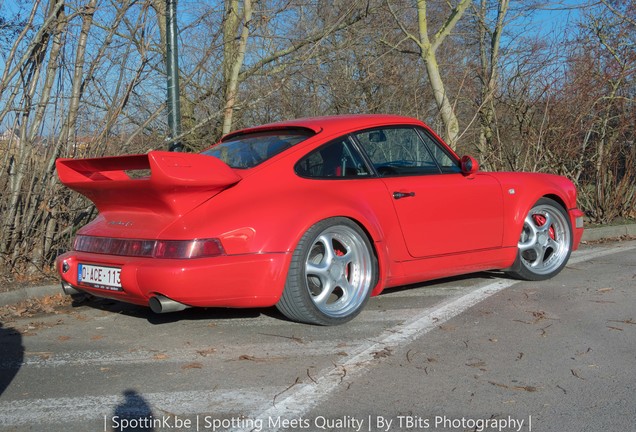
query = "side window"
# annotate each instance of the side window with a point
(397, 151)
(443, 159)
(338, 159)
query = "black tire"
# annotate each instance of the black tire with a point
(545, 243)
(331, 275)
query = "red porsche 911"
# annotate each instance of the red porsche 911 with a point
(313, 216)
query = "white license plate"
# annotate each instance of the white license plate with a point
(99, 276)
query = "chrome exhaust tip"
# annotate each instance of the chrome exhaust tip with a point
(162, 304)
(69, 290)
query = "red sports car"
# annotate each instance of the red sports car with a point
(313, 216)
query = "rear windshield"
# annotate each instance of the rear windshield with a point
(249, 150)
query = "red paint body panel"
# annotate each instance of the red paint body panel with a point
(229, 281)
(435, 221)
(522, 190)
(453, 224)
(179, 181)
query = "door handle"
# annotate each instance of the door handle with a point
(400, 195)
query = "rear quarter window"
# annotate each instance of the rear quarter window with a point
(249, 150)
(338, 159)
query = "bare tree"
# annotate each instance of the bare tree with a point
(428, 46)
(87, 78)
(489, 43)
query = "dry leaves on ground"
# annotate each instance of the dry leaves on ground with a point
(32, 307)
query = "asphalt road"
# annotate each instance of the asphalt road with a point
(475, 353)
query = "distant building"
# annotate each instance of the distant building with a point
(9, 141)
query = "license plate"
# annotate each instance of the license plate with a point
(99, 277)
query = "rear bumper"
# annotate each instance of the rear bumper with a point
(251, 280)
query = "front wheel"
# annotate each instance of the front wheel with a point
(331, 275)
(545, 243)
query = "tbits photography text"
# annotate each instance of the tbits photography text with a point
(371, 423)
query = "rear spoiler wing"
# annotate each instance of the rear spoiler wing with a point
(176, 181)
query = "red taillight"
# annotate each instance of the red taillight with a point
(181, 249)
(174, 249)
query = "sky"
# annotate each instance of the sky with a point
(554, 17)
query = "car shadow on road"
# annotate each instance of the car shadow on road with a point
(212, 314)
(192, 314)
(435, 282)
(133, 414)
(11, 355)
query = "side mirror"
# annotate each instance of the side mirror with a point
(469, 165)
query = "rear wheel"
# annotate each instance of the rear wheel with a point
(331, 275)
(545, 243)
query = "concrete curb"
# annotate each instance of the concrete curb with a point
(609, 232)
(16, 296)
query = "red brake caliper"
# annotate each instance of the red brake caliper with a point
(540, 221)
(341, 253)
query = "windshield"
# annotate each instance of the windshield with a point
(249, 150)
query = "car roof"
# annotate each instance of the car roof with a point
(331, 124)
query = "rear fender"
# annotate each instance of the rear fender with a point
(274, 221)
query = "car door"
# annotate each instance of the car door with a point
(440, 210)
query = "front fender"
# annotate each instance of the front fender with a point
(521, 192)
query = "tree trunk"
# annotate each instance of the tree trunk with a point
(68, 127)
(444, 105)
(489, 42)
(428, 48)
(234, 54)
